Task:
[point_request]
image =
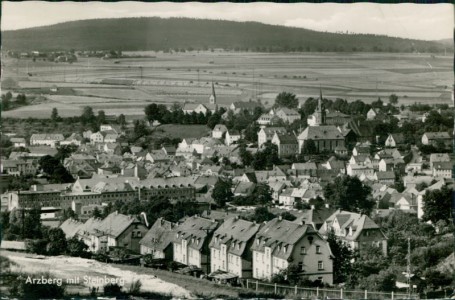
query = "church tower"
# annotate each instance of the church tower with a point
(212, 98)
(320, 111)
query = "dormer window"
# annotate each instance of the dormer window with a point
(257, 242)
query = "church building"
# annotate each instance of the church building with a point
(325, 137)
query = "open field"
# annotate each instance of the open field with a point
(90, 271)
(127, 85)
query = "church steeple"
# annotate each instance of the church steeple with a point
(212, 98)
(320, 111)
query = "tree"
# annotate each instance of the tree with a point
(76, 247)
(309, 147)
(266, 158)
(101, 118)
(21, 99)
(288, 216)
(65, 151)
(436, 203)
(54, 115)
(60, 175)
(342, 256)
(57, 242)
(393, 99)
(285, 99)
(262, 214)
(87, 115)
(263, 194)
(121, 120)
(245, 156)
(222, 192)
(349, 193)
(96, 213)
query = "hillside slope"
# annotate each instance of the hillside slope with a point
(183, 33)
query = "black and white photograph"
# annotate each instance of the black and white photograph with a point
(225, 150)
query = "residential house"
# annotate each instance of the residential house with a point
(385, 177)
(436, 138)
(438, 158)
(280, 243)
(71, 227)
(230, 247)
(404, 201)
(232, 136)
(189, 108)
(191, 240)
(442, 169)
(336, 118)
(122, 231)
(18, 142)
(240, 106)
(46, 139)
(287, 144)
(18, 167)
(395, 140)
(267, 119)
(244, 189)
(158, 240)
(73, 139)
(218, 131)
(372, 114)
(287, 115)
(356, 230)
(266, 134)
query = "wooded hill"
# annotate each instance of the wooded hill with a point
(154, 33)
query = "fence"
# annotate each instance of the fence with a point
(319, 293)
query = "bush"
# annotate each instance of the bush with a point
(112, 289)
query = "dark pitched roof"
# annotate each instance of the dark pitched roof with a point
(160, 235)
(281, 236)
(235, 233)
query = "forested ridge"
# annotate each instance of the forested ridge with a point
(153, 33)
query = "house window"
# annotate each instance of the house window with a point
(318, 249)
(302, 250)
(320, 265)
(300, 265)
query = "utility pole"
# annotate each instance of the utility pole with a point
(408, 269)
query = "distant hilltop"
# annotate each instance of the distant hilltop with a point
(184, 34)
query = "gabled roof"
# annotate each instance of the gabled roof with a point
(194, 230)
(47, 136)
(437, 135)
(160, 235)
(270, 131)
(346, 219)
(281, 236)
(287, 139)
(115, 224)
(385, 175)
(445, 165)
(324, 132)
(220, 127)
(398, 138)
(70, 227)
(235, 233)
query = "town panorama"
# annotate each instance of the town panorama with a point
(206, 170)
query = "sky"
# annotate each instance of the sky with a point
(416, 21)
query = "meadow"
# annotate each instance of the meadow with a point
(127, 85)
